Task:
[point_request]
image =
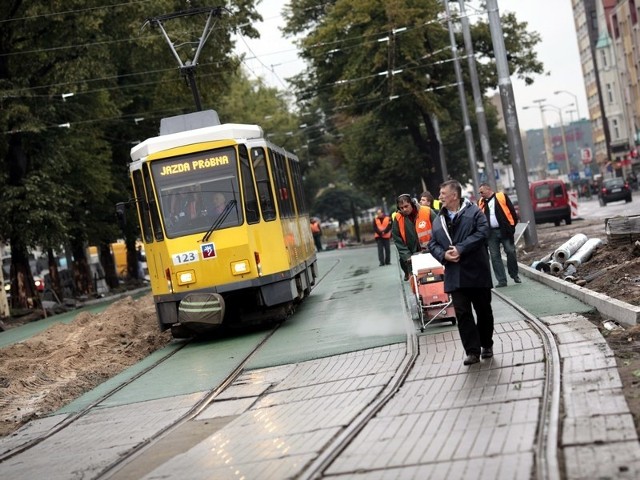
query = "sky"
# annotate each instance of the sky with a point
(274, 58)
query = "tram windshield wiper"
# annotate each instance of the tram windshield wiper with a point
(219, 220)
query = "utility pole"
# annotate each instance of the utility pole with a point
(545, 132)
(481, 118)
(188, 67)
(468, 134)
(516, 152)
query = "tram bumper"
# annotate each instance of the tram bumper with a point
(201, 311)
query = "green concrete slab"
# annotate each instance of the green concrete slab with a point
(541, 300)
(195, 368)
(356, 305)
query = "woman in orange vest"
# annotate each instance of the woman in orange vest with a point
(382, 234)
(411, 230)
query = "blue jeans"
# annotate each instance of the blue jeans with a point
(495, 240)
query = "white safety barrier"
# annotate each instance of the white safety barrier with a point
(573, 202)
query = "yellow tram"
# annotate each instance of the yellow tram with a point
(224, 223)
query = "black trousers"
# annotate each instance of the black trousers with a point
(384, 250)
(474, 334)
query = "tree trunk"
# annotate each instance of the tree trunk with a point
(132, 259)
(109, 265)
(23, 292)
(54, 275)
(432, 162)
(81, 270)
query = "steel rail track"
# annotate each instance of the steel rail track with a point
(192, 413)
(546, 453)
(547, 466)
(342, 440)
(84, 411)
(197, 408)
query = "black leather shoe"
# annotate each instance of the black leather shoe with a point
(487, 353)
(517, 280)
(500, 285)
(471, 359)
(406, 277)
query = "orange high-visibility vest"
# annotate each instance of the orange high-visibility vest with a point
(423, 226)
(501, 199)
(382, 225)
(315, 227)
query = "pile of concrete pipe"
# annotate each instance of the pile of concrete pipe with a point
(565, 259)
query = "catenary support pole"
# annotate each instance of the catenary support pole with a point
(468, 134)
(509, 112)
(481, 118)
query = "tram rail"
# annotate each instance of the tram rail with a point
(327, 459)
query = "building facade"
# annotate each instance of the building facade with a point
(608, 39)
(576, 139)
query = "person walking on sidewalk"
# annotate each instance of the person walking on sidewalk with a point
(382, 233)
(411, 230)
(458, 241)
(502, 218)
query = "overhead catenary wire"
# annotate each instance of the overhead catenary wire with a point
(243, 61)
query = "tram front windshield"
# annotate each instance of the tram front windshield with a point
(197, 190)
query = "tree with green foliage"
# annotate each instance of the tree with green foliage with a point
(387, 66)
(80, 83)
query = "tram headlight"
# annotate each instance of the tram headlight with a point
(240, 268)
(186, 277)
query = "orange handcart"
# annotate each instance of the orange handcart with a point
(427, 284)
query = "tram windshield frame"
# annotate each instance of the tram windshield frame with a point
(193, 190)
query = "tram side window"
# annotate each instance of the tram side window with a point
(153, 206)
(279, 168)
(142, 206)
(263, 181)
(250, 200)
(297, 185)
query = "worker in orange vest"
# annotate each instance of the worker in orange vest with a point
(502, 218)
(382, 233)
(427, 200)
(316, 231)
(411, 230)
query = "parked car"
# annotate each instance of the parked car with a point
(614, 189)
(550, 201)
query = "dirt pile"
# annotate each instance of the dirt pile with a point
(47, 371)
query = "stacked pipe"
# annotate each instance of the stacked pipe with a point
(568, 257)
(564, 251)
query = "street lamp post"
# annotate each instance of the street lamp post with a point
(575, 100)
(558, 110)
(545, 134)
